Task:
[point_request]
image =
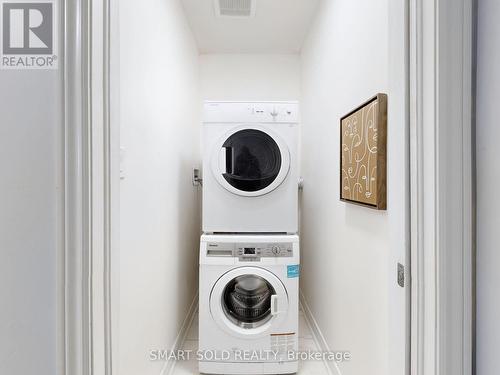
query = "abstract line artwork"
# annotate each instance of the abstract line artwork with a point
(363, 140)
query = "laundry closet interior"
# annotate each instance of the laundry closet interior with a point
(317, 60)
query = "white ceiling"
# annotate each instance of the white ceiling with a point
(279, 26)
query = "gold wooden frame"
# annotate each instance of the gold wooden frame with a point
(364, 129)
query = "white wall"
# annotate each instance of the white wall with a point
(488, 178)
(251, 77)
(348, 268)
(30, 223)
(159, 215)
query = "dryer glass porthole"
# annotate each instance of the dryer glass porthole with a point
(253, 160)
(246, 301)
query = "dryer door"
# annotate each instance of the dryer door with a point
(250, 161)
(249, 302)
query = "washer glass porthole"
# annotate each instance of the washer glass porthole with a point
(246, 301)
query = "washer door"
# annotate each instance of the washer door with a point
(250, 161)
(248, 302)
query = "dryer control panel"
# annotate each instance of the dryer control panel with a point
(250, 251)
(251, 112)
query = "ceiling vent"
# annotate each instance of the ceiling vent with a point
(235, 8)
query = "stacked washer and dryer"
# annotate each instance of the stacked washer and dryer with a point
(249, 253)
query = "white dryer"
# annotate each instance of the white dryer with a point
(249, 301)
(250, 167)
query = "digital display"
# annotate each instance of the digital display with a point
(249, 250)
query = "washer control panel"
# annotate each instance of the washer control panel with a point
(250, 251)
(264, 250)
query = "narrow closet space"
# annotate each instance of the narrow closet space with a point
(234, 235)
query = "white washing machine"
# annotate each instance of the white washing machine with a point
(250, 167)
(249, 304)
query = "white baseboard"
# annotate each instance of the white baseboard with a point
(319, 338)
(169, 366)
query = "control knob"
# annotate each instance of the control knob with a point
(276, 250)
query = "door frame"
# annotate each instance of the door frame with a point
(439, 66)
(90, 206)
(75, 257)
(441, 45)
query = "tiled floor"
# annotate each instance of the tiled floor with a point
(306, 342)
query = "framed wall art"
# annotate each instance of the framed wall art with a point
(363, 154)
